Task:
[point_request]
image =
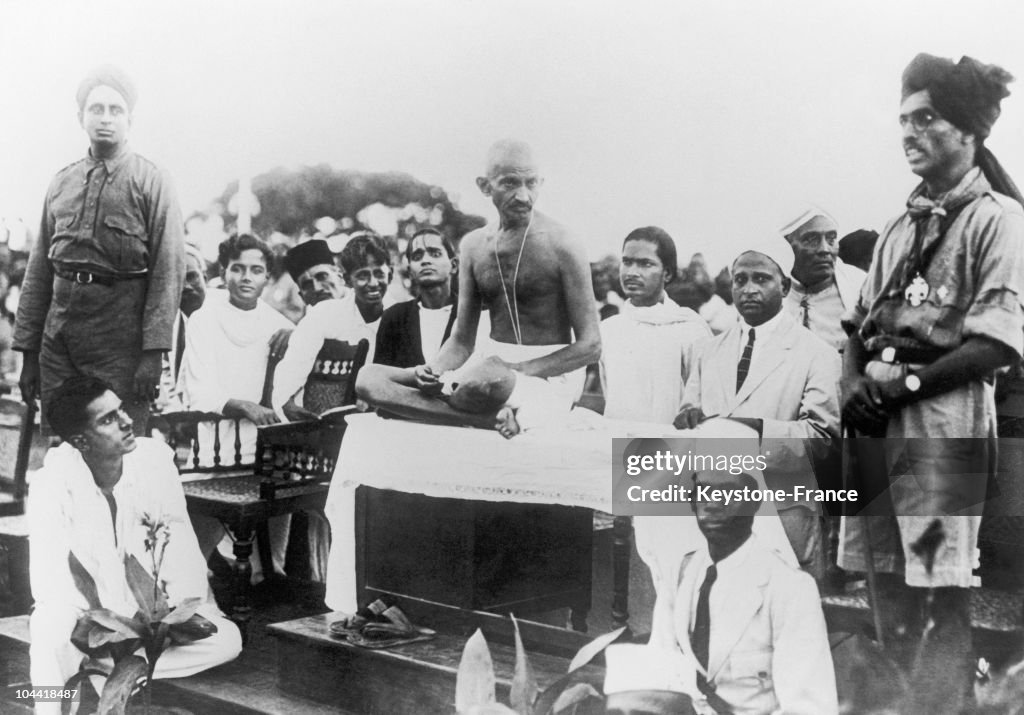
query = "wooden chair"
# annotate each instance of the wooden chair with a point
(17, 424)
(292, 454)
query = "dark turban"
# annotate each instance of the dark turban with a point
(967, 95)
(109, 76)
(304, 256)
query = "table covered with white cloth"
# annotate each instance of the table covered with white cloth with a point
(569, 463)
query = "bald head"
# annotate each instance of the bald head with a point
(512, 181)
(509, 154)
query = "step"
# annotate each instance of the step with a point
(414, 678)
(242, 687)
(996, 616)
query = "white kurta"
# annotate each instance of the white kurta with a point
(646, 354)
(226, 353)
(68, 512)
(327, 320)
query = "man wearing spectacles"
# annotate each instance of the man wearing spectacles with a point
(823, 286)
(939, 313)
(366, 266)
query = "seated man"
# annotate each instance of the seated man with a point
(748, 624)
(227, 348)
(311, 266)
(531, 275)
(478, 400)
(312, 269)
(90, 498)
(775, 375)
(367, 268)
(414, 329)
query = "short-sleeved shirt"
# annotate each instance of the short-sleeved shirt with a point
(976, 278)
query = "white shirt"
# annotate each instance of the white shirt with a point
(327, 320)
(67, 512)
(226, 353)
(646, 354)
(730, 571)
(762, 334)
(433, 322)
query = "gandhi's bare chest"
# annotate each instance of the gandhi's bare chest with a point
(506, 266)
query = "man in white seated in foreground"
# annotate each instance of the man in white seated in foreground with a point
(90, 498)
(745, 628)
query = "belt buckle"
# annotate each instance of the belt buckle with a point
(888, 354)
(79, 277)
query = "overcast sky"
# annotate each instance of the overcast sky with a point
(714, 120)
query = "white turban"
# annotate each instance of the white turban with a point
(780, 254)
(808, 212)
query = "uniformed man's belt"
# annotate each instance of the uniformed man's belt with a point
(86, 277)
(920, 356)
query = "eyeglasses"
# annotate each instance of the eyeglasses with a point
(365, 275)
(919, 119)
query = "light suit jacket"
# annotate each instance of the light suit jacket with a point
(771, 655)
(792, 386)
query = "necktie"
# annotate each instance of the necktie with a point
(701, 638)
(744, 366)
(805, 306)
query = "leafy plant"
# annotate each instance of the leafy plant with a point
(572, 693)
(102, 633)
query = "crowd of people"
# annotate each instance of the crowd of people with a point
(798, 345)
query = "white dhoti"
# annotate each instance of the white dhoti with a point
(537, 400)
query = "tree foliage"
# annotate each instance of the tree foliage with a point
(291, 200)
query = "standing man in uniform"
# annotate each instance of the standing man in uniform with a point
(103, 282)
(940, 311)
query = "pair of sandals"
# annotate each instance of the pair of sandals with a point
(379, 625)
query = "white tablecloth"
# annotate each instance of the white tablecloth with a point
(569, 465)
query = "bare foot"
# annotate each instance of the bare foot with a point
(505, 422)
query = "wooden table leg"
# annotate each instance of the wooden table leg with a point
(241, 607)
(622, 543)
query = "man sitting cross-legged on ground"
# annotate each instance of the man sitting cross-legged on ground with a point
(535, 281)
(90, 498)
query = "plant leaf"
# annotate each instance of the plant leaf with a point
(123, 679)
(83, 581)
(194, 629)
(142, 585)
(72, 683)
(588, 652)
(116, 622)
(524, 684)
(183, 611)
(573, 695)
(474, 683)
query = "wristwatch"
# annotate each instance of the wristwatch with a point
(912, 382)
